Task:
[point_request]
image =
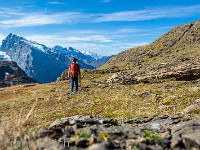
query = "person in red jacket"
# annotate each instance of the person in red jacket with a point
(75, 73)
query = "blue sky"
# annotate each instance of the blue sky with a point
(104, 26)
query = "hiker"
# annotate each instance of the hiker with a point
(74, 72)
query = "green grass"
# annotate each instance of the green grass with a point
(150, 136)
(114, 101)
(87, 135)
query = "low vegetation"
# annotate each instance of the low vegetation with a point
(37, 105)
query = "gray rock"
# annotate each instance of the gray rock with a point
(166, 106)
(191, 108)
(165, 132)
(194, 89)
(191, 139)
(101, 146)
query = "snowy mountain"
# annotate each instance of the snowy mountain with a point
(92, 54)
(3, 56)
(40, 62)
(72, 52)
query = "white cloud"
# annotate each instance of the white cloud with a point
(106, 1)
(129, 30)
(169, 27)
(38, 19)
(29, 6)
(42, 19)
(11, 12)
(150, 14)
(52, 39)
(56, 3)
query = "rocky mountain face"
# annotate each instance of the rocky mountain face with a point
(87, 57)
(40, 62)
(175, 54)
(102, 61)
(15, 75)
(3, 56)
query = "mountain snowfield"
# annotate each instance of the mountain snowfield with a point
(3, 56)
(42, 63)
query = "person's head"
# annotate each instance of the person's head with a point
(74, 60)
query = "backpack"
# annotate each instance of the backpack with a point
(74, 70)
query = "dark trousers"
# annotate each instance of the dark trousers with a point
(74, 79)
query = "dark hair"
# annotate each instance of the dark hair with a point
(74, 60)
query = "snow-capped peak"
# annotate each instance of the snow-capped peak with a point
(35, 45)
(92, 54)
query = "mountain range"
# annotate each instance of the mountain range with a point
(42, 63)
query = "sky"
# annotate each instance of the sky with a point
(106, 27)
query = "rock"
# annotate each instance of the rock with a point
(101, 146)
(12, 74)
(114, 78)
(143, 119)
(185, 134)
(166, 106)
(44, 132)
(82, 142)
(191, 139)
(59, 123)
(143, 95)
(194, 89)
(176, 142)
(191, 108)
(165, 135)
(146, 132)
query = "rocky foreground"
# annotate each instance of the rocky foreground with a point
(93, 133)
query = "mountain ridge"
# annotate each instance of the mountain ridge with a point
(168, 56)
(39, 61)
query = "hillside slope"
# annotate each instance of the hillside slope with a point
(174, 54)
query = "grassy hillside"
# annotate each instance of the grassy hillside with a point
(96, 98)
(179, 46)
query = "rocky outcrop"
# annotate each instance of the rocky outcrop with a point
(149, 132)
(12, 74)
(173, 55)
(189, 71)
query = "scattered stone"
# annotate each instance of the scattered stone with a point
(166, 106)
(193, 107)
(194, 89)
(143, 95)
